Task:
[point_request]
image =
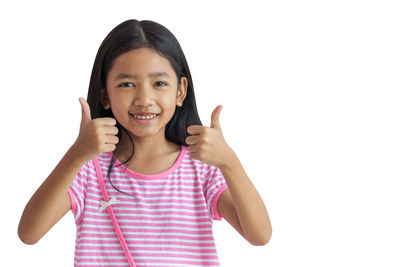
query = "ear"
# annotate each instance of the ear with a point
(104, 98)
(181, 93)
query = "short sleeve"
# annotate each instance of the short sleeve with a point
(77, 191)
(214, 185)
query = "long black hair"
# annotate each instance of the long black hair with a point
(130, 35)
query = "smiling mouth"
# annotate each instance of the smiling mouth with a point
(145, 118)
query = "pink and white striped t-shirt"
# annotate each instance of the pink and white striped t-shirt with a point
(166, 220)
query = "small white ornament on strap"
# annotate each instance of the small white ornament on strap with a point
(105, 204)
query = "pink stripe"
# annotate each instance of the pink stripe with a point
(167, 218)
(128, 185)
(163, 194)
(105, 231)
(168, 203)
(122, 206)
(156, 236)
(190, 263)
(144, 242)
(188, 172)
(115, 254)
(128, 226)
(149, 224)
(181, 210)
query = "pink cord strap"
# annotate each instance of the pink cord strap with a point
(112, 215)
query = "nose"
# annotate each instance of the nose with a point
(144, 96)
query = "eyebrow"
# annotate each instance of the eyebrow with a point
(151, 75)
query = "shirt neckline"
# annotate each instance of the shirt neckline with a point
(151, 176)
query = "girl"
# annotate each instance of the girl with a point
(144, 179)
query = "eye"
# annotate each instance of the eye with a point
(124, 83)
(121, 85)
(161, 82)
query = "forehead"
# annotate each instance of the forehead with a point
(140, 61)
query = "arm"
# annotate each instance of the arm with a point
(51, 200)
(242, 206)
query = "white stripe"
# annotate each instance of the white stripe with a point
(151, 217)
(173, 188)
(167, 199)
(156, 240)
(93, 203)
(109, 264)
(118, 245)
(108, 220)
(106, 227)
(155, 250)
(150, 258)
(132, 231)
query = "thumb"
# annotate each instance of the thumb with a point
(215, 118)
(86, 117)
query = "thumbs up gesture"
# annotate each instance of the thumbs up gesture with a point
(207, 144)
(95, 136)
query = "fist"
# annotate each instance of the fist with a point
(95, 136)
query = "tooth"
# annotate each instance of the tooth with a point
(145, 117)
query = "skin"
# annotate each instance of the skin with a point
(143, 94)
(240, 204)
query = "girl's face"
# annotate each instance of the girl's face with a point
(141, 81)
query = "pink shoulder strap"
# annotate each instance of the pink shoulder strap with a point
(112, 215)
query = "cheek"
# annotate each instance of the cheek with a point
(171, 103)
(119, 104)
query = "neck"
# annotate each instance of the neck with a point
(146, 148)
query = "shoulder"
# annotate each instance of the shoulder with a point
(100, 161)
(202, 167)
(104, 158)
(196, 163)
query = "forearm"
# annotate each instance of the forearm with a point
(39, 214)
(250, 208)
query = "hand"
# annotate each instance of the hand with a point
(207, 144)
(95, 136)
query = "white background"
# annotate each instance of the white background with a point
(310, 91)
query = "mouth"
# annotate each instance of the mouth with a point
(144, 120)
(148, 116)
